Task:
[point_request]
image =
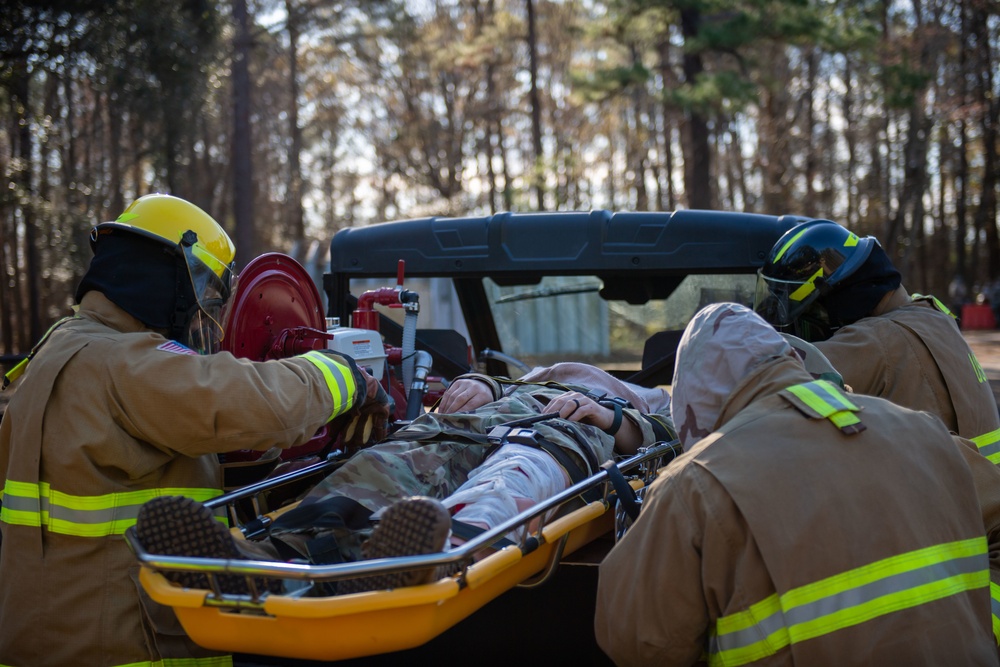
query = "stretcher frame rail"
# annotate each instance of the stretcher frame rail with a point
(642, 466)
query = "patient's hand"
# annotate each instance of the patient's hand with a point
(465, 395)
(576, 407)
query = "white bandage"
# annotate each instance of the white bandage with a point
(513, 473)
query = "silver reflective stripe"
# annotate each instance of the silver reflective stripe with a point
(339, 379)
(989, 445)
(27, 504)
(849, 598)
(995, 606)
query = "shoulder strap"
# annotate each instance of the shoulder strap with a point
(933, 300)
(821, 399)
(19, 369)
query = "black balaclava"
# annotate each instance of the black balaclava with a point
(143, 277)
(859, 294)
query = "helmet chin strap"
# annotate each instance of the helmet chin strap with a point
(182, 306)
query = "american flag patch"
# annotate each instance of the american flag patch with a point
(175, 348)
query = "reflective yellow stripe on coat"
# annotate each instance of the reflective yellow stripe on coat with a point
(850, 598)
(989, 445)
(995, 605)
(828, 401)
(339, 379)
(28, 504)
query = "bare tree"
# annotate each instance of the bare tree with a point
(243, 184)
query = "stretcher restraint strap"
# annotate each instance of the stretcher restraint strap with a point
(320, 518)
(537, 440)
(38, 504)
(467, 531)
(625, 493)
(590, 459)
(576, 474)
(662, 429)
(850, 598)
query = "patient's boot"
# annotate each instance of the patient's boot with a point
(179, 526)
(409, 527)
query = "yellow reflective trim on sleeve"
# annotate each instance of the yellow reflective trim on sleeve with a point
(995, 608)
(339, 379)
(848, 599)
(989, 445)
(806, 288)
(37, 505)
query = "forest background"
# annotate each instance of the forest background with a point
(290, 119)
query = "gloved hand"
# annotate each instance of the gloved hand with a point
(368, 421)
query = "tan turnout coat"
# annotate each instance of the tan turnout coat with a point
(774, 501)
(914, 355)
(103, 419)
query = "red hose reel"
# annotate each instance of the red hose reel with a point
(276, 312)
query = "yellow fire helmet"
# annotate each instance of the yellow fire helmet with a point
(207, 250)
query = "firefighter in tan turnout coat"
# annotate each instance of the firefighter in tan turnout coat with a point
(117, 406)
(803, 525)
(841, 291)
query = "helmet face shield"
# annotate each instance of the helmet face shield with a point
(204, 334)
(212, 283)
(807, 266)
(792, 307)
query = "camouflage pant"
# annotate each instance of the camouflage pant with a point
(433, 456)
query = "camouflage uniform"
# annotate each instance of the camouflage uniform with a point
(433, 456)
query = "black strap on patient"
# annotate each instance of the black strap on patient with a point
(625, 493)
(467, 531)
(326, 514)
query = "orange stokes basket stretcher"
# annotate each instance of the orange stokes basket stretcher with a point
(305, 624)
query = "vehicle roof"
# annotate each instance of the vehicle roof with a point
(638, 256)
(520, 248)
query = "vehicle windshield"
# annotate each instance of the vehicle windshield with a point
(563, 318)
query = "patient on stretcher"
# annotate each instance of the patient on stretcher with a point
(465, 467)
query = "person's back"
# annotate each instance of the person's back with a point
(800, 529)
(913, 354)
(842, 293)
(109, 414)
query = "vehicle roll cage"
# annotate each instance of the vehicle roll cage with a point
(638, 256)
